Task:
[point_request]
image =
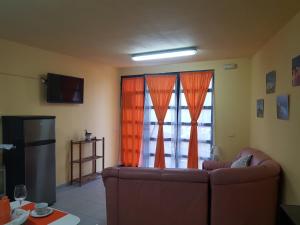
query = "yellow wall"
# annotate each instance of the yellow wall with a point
(279, 138)
(232, 96)
(24, 96)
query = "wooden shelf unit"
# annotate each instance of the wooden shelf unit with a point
(82, 160)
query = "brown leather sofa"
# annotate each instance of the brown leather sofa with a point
(216, 195)
(147, 196)
(244, 196)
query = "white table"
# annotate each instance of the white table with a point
(67, 219)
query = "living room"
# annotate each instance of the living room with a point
(239, 43)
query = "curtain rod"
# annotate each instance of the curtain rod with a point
(165, 73)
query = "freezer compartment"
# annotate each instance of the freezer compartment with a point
(39, 129)
(40, 173)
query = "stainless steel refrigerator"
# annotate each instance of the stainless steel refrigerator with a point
(32, 162)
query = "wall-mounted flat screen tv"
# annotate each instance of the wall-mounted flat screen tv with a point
(64, 89)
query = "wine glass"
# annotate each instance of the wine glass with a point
(20, 193)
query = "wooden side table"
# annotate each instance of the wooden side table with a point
(82, 160)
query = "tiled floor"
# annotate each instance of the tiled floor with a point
(87, 202)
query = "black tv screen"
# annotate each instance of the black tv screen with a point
(64, 89)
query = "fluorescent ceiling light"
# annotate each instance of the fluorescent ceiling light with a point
(164, 54)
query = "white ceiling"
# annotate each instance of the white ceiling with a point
(107, 31)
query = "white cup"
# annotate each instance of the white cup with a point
(41, 208)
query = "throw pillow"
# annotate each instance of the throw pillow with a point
(242, 162)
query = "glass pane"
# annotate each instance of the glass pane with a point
(208, 99)
(170, 116)
(185, 132)
(169, 147)
(185, 115)
(153, 116)
(182, 100)
(153, 131)
(183, 148)
(204, 133)
(151, 161)
(200, 164)
(210, 84)
(170, 163)
(149, 98)
(152, 146)
(205, 116)
(173, 100)
(204, 150)
(169, 131)
(182, 163)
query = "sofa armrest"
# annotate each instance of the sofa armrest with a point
(110, 172)
(244, 175)
(110, 179)
(213, 165)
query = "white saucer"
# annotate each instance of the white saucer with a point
(34, 214)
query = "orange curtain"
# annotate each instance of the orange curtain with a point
(195, 86)
(132, 120)
(160, 88)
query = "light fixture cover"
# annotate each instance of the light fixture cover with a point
(172, 53)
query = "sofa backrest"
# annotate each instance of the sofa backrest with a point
(150, 196)
(258, 157)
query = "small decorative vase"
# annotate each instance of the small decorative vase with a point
(88, 135)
